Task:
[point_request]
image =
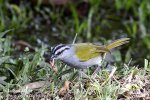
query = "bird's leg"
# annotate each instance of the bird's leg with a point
(99, 66)
(83, 75)
(79, 74)
(96, 71)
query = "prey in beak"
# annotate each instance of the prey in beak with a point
(52, 62)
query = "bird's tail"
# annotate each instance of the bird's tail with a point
(117, 43)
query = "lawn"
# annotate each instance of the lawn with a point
(28, 29)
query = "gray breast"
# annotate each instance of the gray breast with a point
(72, 60)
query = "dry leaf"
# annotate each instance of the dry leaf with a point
(21, 45)
(59, 2)
(52, 2)
(65, 88)
(34, 85)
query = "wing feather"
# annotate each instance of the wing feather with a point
(86, 51)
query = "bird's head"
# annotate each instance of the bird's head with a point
(59, 51)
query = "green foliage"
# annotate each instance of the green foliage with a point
(103, 20)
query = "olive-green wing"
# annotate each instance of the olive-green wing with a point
(86, 51)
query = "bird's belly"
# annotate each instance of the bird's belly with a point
(73, 61)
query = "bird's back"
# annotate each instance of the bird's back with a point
(86, 51)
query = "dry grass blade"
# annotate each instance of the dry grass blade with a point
(110, 76)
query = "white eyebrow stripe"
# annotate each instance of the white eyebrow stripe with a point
(61, 49)
(57, 47)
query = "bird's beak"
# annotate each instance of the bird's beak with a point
(49, 59)
(52, 65)
(52, 62)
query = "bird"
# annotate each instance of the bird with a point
(83, 55)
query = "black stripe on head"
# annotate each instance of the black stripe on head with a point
(57, 47)
(62, 51)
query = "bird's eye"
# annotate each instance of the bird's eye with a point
(59, 53)
(53, 56)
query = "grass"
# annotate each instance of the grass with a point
(124, 81)
(41, 26)
(132, 84)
